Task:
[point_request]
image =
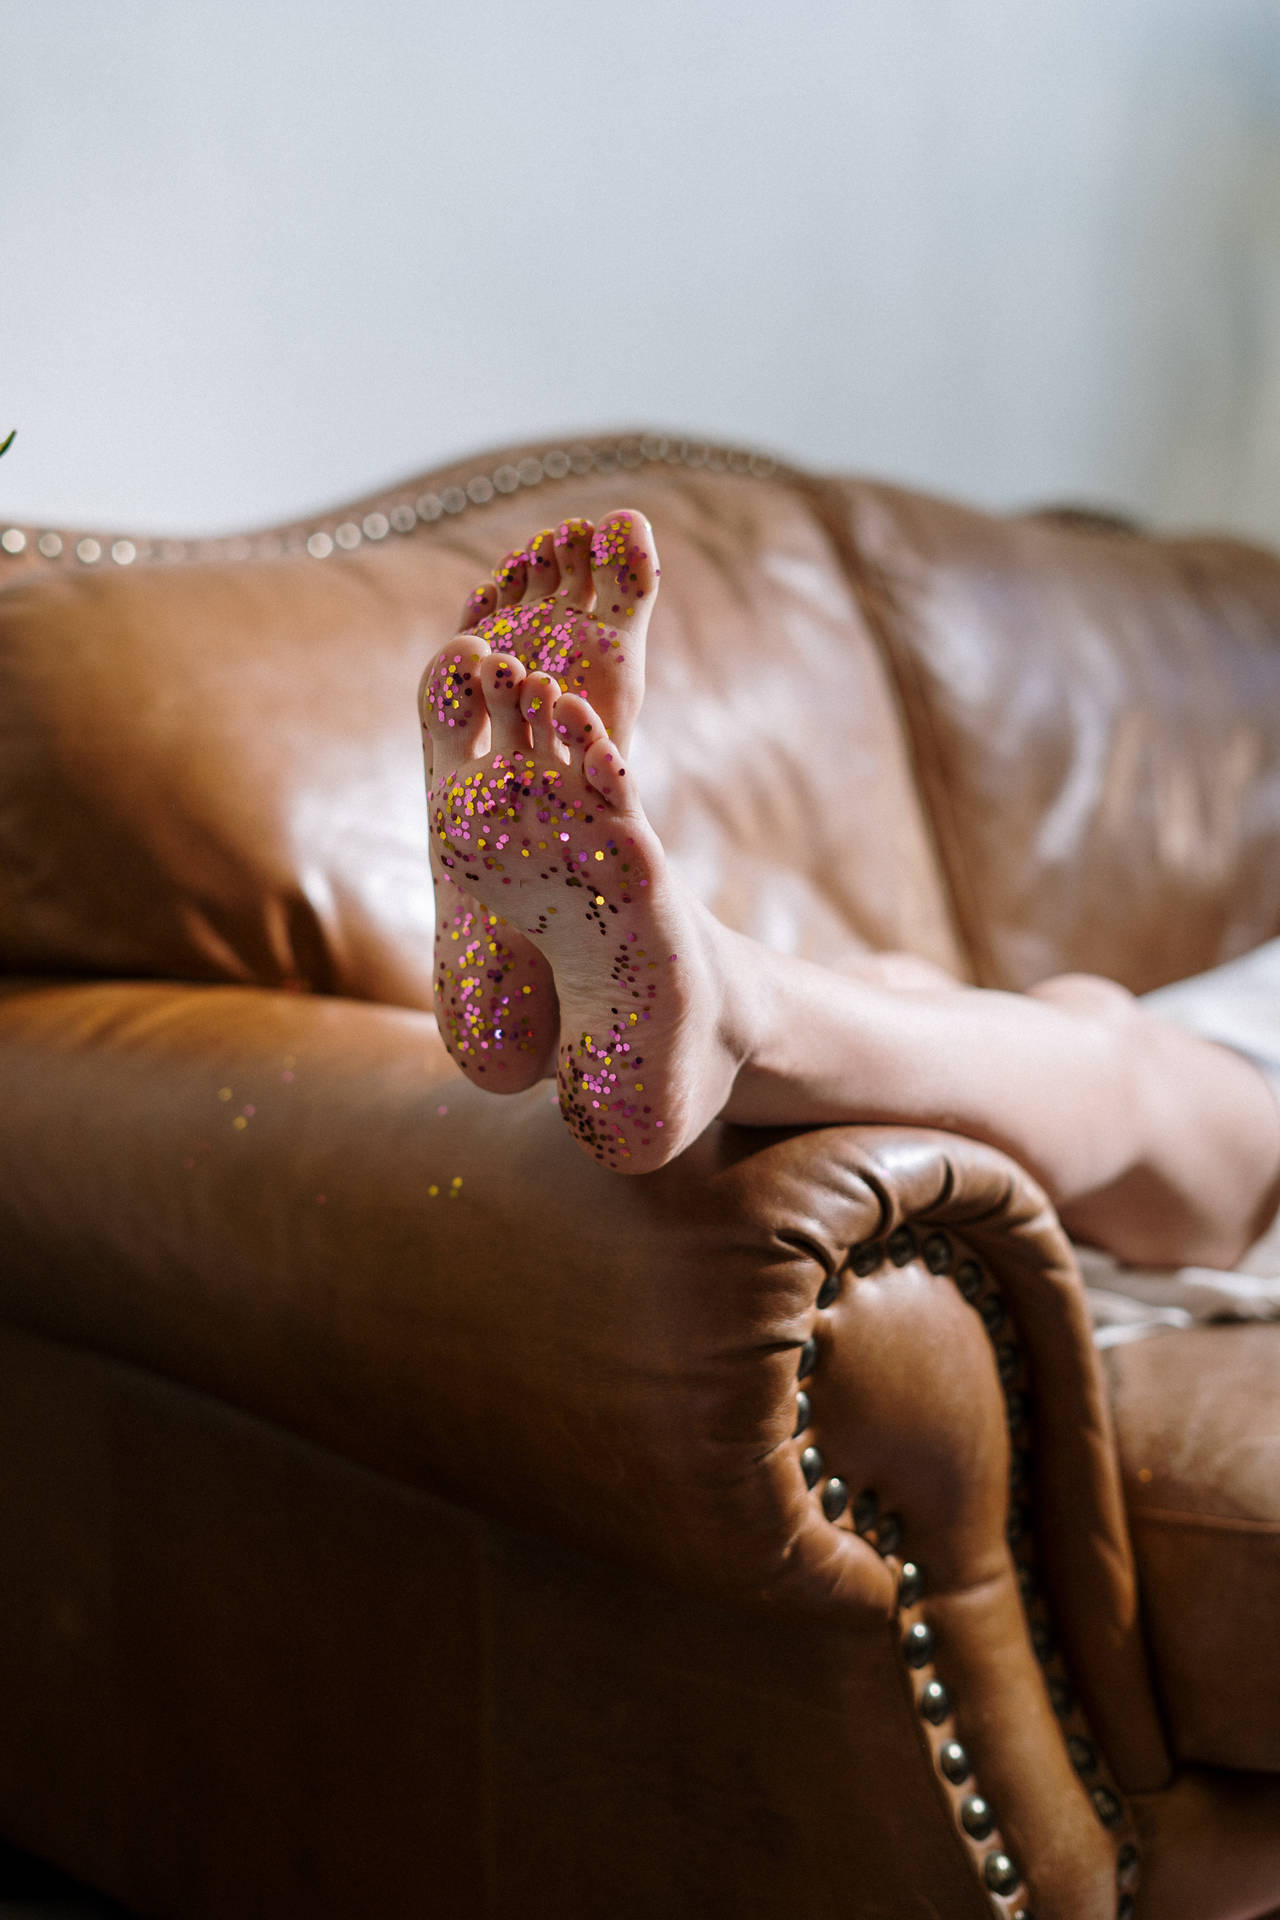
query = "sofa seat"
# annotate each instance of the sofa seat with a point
(1201, 1465)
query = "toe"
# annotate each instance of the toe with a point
(573, 551)
(577, 727)
(603, 768)
(544, 568)
(479, 605)
(538, 697)
(501, 676)
(509, 579)
(451, 704)
(625, 561)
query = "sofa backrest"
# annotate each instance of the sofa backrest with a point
(872, 720)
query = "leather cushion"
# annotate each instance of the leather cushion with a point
(212, 771)
(1198, 1422)
(1096, 719)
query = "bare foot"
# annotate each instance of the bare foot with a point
(575, 603)
(533, 814)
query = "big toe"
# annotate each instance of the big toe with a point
(624, 561)
(451, 702)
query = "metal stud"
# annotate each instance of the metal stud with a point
(123, 552)
(13, 540)
(1107, 1807)
(1127, 1867)
(1008, 1360)
(976, 1817)
(88, 552)
(319, 546)
(991, 1312)
(1062, 1698)
(866, 1258)
(804, 1414)
(1000, 1873)
(403, 518)
(889, 1533)
(969, 1279)
(347, 536)
(866, 1510)
(934, 1702)
(901, 1246)
(530, 471)
(910, 1584)
(954, 1762)
(808, 1359)
(829, 1289)
(811, 1466)
(50, 545)
(376, 526)
(917, 1645)
(480, 490)
(1041, 1640)
(555, 464)
(835, 1497)
(937, 1252)
(1082, 1754)
(428, 507)
(453, 500)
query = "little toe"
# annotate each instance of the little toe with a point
(509, 579)
(480, 605)
(451, 703)
(573, 550)
(604, 769)
(538, 696)
(544, 567)
(501, 676)
(625, 560)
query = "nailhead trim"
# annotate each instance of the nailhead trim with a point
(406, 516)
(997, 1869)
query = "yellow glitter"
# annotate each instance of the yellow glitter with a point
(224, 1093)
(433, 1191)
(239, 1123)
(599, 899)
(599, 856)
(456, 1181)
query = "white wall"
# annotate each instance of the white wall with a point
(257, 254)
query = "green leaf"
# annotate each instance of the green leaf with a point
(6, 444)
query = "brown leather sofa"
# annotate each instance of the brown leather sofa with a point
(401, 1516)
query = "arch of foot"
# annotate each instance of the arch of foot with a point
(1010, 1888)
(391, 517)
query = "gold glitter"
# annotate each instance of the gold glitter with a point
(239, 1123)
(433, 1191)
(224, 1093)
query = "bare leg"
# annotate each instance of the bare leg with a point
(1151, 1142)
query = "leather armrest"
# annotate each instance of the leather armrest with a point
(299, 1207)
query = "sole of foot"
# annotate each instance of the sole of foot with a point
(534, 816)
(574, 602)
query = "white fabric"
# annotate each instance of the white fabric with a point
(1238, 1005)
